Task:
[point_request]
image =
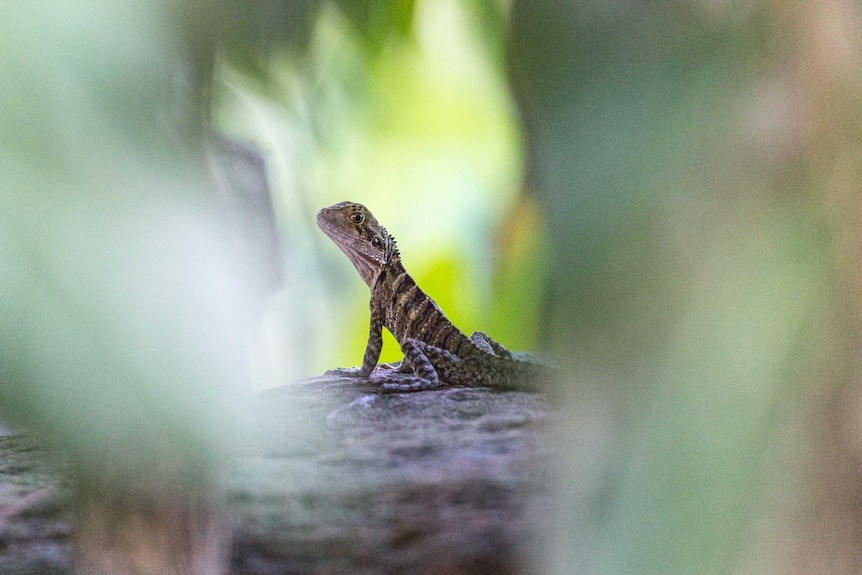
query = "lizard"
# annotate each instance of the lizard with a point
(436, 351)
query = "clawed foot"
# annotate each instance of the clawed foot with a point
(345, 372)
(414, 385)
(389, 378)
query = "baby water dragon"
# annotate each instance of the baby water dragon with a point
(434, 349)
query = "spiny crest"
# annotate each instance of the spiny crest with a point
(390, 247)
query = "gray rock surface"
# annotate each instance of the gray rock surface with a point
(341, 479)
(34, 519)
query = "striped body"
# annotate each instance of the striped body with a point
(434, 349)
(408, 312)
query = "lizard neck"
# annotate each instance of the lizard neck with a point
(387, 280)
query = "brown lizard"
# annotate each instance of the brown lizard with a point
(435, 350)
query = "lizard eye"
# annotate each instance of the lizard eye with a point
(375, 241)
(356, 217)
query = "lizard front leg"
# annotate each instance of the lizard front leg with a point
(372, 350)
(374, 345)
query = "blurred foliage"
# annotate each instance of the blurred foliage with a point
(85, 212)
(689, 167)
(124, 300)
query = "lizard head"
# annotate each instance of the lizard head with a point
(364, 241)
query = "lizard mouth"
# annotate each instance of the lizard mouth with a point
(335, 233)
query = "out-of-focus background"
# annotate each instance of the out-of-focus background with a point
(404, 107)
(663, 196)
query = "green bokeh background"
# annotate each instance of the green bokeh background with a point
(419, 126)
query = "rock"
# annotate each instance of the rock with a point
(34, 521)
(339, 478)
(430, 482)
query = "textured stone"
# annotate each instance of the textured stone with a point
(338, 478)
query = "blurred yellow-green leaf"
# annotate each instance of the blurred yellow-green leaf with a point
(422, 131)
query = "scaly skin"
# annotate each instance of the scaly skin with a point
(434, 349)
